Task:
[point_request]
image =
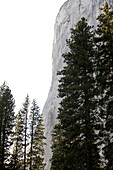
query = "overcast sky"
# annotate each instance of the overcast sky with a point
(26, 39)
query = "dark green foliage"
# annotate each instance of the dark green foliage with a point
(77, 111)
(25, 111)
(58, 147)
(6, 123)
(18, 135)
(28, 139)
(86, 89)
(39, 146)
(16, 160)
(20, 139)
(104, 41)
(36, 153)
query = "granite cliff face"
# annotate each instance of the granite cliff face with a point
(69, 14)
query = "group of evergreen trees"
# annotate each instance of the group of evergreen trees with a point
(21, 134)
(83, 138)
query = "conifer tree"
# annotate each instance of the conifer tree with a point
(7, 117)
(78, 117)
(25, 110)
(36, 153)
(16, 160)
(104, 76)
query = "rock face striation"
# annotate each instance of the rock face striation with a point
(69, 14)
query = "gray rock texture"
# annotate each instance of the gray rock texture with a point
(69, 14)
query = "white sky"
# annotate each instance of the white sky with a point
(26, 39)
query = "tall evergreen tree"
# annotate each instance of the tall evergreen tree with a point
(7, 117)
(78, 117)
(25, 110)
(104, 42)
(16, 160)
(36, 153)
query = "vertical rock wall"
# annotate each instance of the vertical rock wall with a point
(69, 14)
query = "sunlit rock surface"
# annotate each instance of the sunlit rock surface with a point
(69, 14)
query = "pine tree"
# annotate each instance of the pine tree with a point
(16, 160)
(7, 117)
(104, 41)
(25, 110)
(33, 122)
(78, 116)
(36, 153)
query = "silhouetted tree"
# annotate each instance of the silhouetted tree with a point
(78, 116)
(7, 117)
